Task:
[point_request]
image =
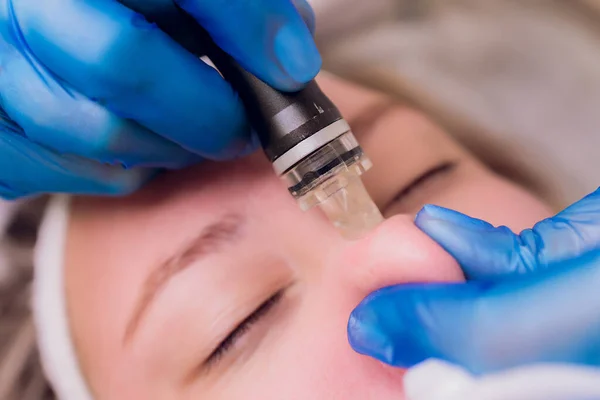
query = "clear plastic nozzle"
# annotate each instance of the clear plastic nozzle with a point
(348, 205)
(330, 178)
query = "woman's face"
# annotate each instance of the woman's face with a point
(212, 284)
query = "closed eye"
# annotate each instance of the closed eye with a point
(242, 328)
(422, 179)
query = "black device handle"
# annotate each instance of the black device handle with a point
(281, 120)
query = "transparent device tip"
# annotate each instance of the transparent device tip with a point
(349, 207)
(331, 178)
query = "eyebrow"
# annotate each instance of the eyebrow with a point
(210, 240)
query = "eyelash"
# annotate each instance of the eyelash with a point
(243, 328)
(416, 183)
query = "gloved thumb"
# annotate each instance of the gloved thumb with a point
(485, 326)
(485, 251)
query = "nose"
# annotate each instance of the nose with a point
(395, 252)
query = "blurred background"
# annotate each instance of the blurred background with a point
(517, 81)
(524, 74)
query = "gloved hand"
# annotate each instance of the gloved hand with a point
(532, 297)
(89, 87)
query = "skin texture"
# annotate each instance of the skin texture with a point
(299, 349)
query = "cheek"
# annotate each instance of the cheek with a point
(313, 360)
(329, 369)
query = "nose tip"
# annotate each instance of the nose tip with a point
(397, 252)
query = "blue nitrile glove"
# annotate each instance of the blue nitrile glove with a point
(533, 297)
(89, 87)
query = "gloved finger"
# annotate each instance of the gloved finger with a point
(485, 251)
(58, 117)
(267, 37)
(485, 326)
(115, 57)
(174, 21)
(28, 169)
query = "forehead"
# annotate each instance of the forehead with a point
(195, 196)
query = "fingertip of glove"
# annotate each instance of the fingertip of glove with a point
(384, 326)
(251, 146)
(307, 14)
(122, 182)
(9, 194)
(366, 336)
(297, 54)
(432, 212)
(236, 148)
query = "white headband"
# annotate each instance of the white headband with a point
(57, 352)
(432, 380)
